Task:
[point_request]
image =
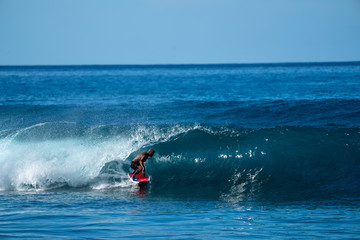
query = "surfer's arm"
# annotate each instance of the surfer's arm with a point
(142, 166)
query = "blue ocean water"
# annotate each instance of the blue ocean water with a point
(252, 150)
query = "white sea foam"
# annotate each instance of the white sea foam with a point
(30, 164)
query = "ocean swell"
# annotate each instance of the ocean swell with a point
(274, 161)
(230, 163)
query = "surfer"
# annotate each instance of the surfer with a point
(138, 162)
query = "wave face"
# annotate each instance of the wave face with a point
(264, 162)
(224, 162)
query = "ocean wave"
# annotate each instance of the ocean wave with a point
(244, 112)
(273, 161)
(230, 163)
(64, 154)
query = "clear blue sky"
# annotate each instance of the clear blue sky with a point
(47, 32)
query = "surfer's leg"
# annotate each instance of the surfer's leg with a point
(134, 173)
(136, 169)
(139, 171)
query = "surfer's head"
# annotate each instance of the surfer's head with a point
(151, 152)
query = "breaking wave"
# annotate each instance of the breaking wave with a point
(225, 162)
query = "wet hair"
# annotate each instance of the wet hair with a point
(151, 152)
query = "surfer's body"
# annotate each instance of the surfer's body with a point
(138, 162)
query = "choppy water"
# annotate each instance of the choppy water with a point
(270, 151)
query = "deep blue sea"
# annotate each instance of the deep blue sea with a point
(258, 151)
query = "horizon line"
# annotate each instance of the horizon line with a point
(182, 64)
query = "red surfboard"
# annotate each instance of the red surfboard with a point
(139, 179)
